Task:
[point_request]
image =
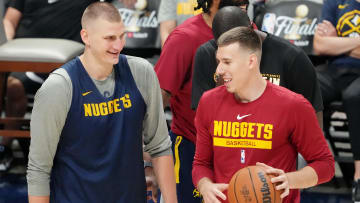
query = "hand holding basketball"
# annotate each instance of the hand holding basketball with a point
(211, 191)
(280, 179)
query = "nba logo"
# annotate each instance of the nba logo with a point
(242, 156)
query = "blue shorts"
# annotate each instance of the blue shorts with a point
(184, 151)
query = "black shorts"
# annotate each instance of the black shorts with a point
(31, 84)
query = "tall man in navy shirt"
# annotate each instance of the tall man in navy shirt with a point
(91, 118)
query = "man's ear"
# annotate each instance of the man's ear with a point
(84, 36)
(253, 61)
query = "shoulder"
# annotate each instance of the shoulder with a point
(273, 42)
(138, 63)
(214, 96)
(208, 47)
(57, 84)
(141, 69)
(285, 96)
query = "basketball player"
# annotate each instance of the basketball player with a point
(174, 70)
(292, 69)
(250, 120)
(90, 119)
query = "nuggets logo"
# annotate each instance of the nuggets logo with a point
(242, 134)
(349, 24)
(106, 108)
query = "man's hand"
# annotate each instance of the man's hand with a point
(151, 184)
(280, 178)
(211, 191)
(326, 29)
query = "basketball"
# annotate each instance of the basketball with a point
(252, 185)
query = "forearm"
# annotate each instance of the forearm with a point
(303, 178)
(166, 97)
(319, 116)
(166, 27)
(9, 29)
(334, 46)
(355, 53)
(11, 21)
(164, 171)
(39, 199)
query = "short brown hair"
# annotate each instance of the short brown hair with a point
(100, 9)
(245, 36)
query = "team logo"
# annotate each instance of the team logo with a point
(241, 117)
(86, 93)
(349, 24)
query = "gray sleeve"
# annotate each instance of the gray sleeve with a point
(167, 10)
(155, 133)
(51, 105)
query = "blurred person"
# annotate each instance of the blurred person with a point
(172, 13)
(90, 118)
(337, 36)
(249, 121)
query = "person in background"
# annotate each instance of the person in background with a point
(336, 36)
(174, 12)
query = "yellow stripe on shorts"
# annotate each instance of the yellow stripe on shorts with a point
(177, 159)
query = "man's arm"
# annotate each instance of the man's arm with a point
(47, 120)
(327, 44)
(39, 199)
(165, 97)
(167, 18)
(164, 171)
(166, 27)
(303, 178)
(11, 20)
(320, 119)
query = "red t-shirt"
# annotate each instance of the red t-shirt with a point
(174, 70)
(273, 129)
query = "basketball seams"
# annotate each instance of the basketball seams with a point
(252, 183)
(235, 193)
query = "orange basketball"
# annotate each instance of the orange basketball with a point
(252, 185)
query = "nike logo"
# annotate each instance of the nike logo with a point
(86, 93)
(342, 6)
(241, 117)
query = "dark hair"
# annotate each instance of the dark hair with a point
(228, 18)
(246, 37)
(204, 4)
(100, 9)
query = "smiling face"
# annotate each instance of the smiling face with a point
(104, 40)
(236, 66)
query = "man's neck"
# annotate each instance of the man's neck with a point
(253, 90)
(95, 69)
(209, 17)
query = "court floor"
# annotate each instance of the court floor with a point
(13, 190)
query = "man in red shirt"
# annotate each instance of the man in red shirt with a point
(249, 120)
(174, 70)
